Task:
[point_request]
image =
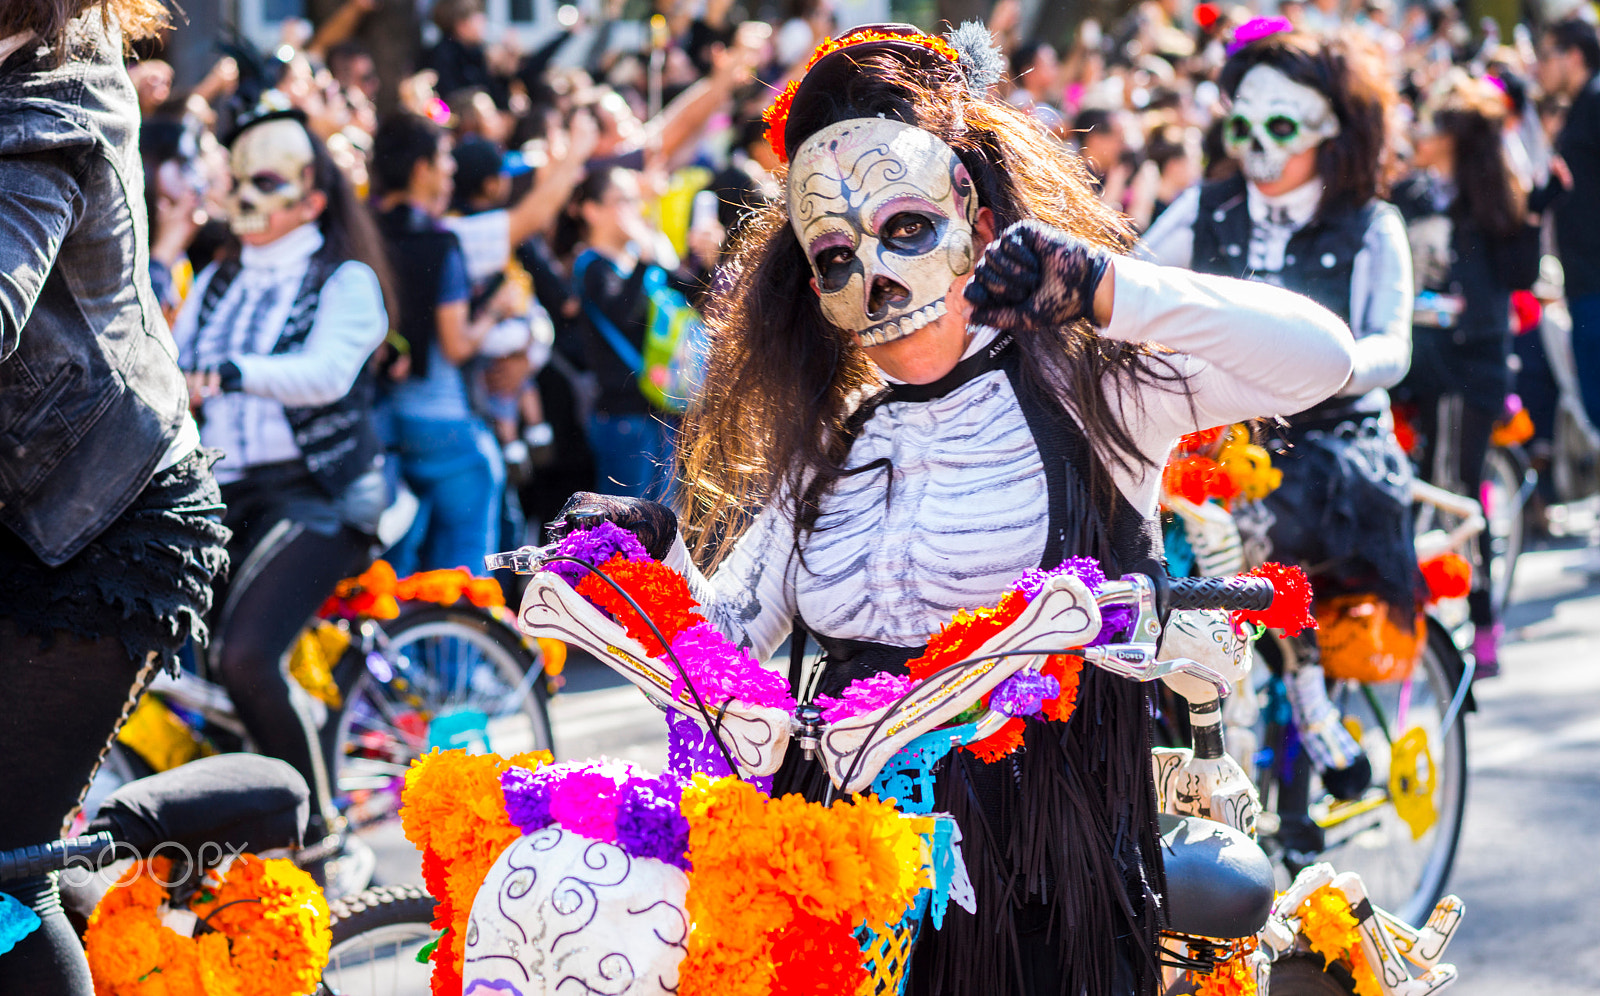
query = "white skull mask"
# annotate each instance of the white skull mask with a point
(1273, 119)
(270, 165)
(885, 213)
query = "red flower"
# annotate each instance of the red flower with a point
(659, 590)
(777, 116)
(1290, 610)
(1000, 743)
(961, 637)
(1448, 576)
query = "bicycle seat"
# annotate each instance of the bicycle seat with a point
(1219, 882)
(231, 801)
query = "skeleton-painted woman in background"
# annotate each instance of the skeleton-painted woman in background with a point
(1307, 127)
(276, 339)
(914, 428)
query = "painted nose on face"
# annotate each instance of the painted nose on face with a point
(885, 293)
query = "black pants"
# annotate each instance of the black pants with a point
(288, 553)
(65, 702)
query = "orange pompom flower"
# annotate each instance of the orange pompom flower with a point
(453, 810)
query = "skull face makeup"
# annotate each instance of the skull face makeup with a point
(885, 213)
(269, 165)
(1273, 119)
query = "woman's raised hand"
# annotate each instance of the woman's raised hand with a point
(653, 523)
(1036, 276)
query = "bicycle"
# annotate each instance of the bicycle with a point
(199, 815)
(1220, 883)
(1400, 834)
(1508, 482)
(456, 675)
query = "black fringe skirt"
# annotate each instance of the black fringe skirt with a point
(1061, 843)
(146, 579)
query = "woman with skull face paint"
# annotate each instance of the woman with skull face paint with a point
(914, 421)
(277, 338)
(1308, 129)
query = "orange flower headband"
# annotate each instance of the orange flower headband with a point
(777, 116)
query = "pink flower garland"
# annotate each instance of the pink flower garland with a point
(721, 671)
(864, 695)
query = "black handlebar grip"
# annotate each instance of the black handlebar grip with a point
(40, 859)
(1236, 593)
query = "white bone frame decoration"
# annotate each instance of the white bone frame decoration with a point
(757, 737)
(1386, 941)
(1064, 614)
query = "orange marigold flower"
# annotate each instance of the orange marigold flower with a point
(777, 116)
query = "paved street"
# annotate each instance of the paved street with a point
(1529, 861)
(1527, 867)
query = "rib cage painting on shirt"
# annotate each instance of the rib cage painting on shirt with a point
(889, 563)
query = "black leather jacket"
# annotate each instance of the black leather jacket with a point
(90, 393)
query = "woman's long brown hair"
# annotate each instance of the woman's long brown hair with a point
(782, 381)
(50, 19)
(1473, 113)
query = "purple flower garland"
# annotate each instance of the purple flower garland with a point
(610, 801)
(595, 546)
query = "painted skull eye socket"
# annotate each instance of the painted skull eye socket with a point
(1282, 129)
(1238, 129)
(911, 233)
(834, 267)
(268, 183)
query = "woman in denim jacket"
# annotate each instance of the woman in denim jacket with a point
(110, 528)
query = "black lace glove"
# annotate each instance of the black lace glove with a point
(655, 524)
(1035, 276)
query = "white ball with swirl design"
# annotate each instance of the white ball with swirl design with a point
(563, 913)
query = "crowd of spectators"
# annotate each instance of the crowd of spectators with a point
(525, 196)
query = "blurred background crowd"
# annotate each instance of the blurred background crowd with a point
(590, 161)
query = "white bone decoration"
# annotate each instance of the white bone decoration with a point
(1062, 615)
(559, 911)
(1387, 942)
(1210, 788)
(756, 736)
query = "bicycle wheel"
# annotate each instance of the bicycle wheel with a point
(1401, 836)
(1502, 500)
(376, 938)
(443, 677)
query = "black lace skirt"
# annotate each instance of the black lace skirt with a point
(146, 579)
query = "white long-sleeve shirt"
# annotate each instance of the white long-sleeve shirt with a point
(969, 503)
(249, 426)
(1381, 291)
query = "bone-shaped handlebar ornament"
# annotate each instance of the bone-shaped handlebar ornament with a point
(756, 736)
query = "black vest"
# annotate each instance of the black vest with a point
(1319, 261)
(338, 441)
(418, 248)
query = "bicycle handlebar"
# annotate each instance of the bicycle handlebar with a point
(1250, 594)
(40, 859)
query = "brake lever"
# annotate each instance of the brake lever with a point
(1138, 661)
